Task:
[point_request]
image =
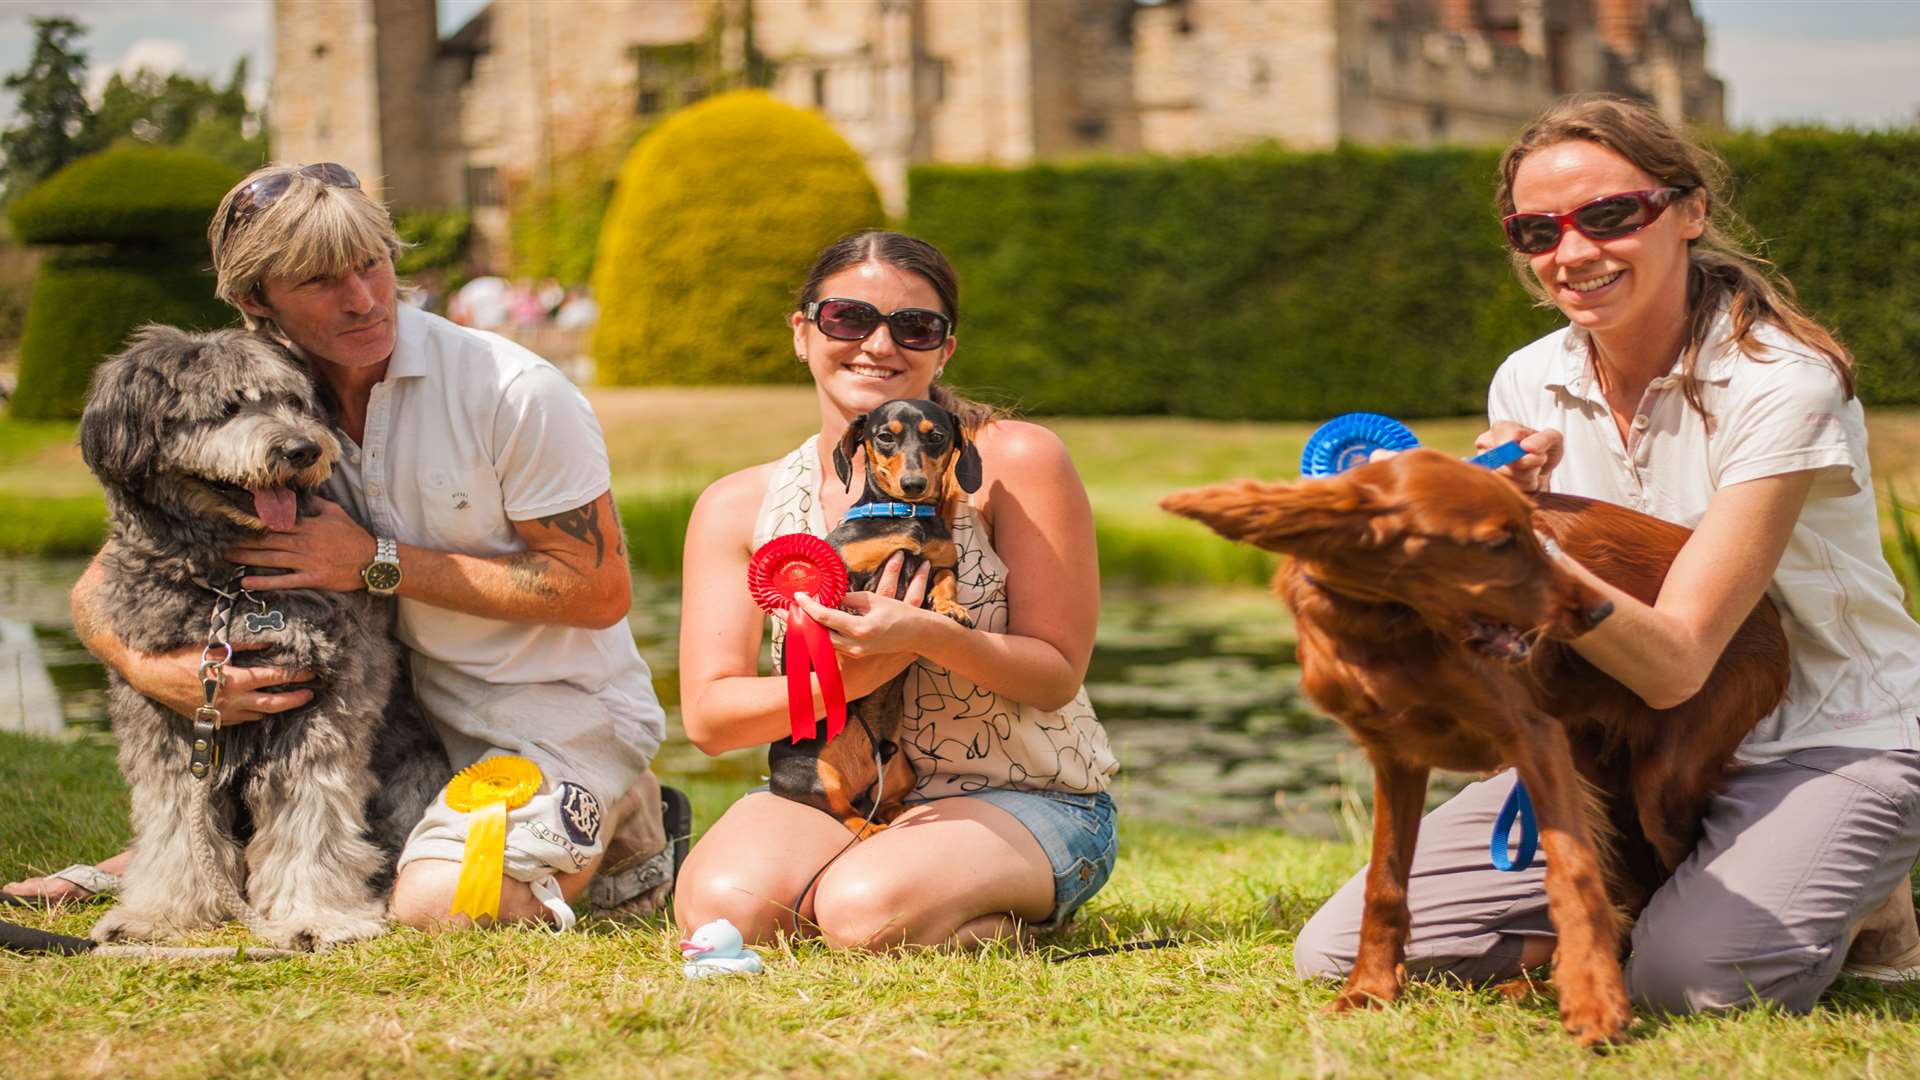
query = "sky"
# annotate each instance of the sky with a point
(1835, 62)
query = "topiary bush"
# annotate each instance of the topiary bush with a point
(129, 230)
(126, 194)
(717, 214)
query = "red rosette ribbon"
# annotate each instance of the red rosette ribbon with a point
(803, 563)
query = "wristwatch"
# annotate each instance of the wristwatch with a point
(382, 575)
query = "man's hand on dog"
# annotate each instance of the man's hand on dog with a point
(873, 625)
(324, 550)
(173, 679)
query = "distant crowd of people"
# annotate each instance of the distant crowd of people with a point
(494, 303)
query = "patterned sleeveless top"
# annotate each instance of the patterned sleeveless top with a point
(960, 737)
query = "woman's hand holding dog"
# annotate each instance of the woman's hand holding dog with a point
(874, 623)
(1543, 448)
(1530, 472)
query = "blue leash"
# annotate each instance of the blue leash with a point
(1520, 806)
(1348, 440)
(1519, 803)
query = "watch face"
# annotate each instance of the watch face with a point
(381, 577)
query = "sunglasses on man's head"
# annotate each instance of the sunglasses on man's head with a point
(1609, 217)
(918, 329)
(261, 194)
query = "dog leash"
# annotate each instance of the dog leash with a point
(25, 939)
(205, 759)
(1350, 439)
(1519, 807)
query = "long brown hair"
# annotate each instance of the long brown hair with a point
(915, 256)
(1723, 269)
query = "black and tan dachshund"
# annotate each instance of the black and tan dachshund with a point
(919, 465)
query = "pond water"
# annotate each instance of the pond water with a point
(1197, 690)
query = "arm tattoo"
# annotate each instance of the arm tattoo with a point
(528, 573)
(619, 530)
(583, 524)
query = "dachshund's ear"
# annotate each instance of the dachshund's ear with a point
(843, 453)
(966, 469)
(1285, 517)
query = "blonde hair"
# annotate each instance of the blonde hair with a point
(1723, 270)
(312, 229)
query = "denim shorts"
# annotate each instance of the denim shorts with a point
(1076, 831)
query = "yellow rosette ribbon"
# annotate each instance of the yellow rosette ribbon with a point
(486, 790)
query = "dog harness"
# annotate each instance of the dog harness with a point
(890, 510)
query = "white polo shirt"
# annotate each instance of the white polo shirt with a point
(1855, 650)
(467, 434)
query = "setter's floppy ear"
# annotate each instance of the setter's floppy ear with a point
(1285, 517)
(843, 453)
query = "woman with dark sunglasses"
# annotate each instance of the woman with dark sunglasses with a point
(1690, 386)
(1009, 827)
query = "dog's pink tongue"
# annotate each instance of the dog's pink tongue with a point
(277, 507)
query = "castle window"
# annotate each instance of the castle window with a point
(1259, 77)
(820, 88)
(320, 51)
(666, 77)
(483, 186)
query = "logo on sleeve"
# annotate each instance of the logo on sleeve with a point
(580, 813)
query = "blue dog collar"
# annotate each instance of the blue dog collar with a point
(889, 510)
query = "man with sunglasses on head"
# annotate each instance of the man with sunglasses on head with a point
(473, 487)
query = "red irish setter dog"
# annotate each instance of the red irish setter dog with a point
(1433, 624)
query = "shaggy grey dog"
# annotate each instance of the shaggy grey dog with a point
(202, 440)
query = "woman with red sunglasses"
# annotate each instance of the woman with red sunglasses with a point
(1689, 385)
(1009, 827)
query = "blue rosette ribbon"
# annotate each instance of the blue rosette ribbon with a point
(1347, 440)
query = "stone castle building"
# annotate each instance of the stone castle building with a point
(475, 117)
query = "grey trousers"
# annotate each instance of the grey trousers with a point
(1793, 854)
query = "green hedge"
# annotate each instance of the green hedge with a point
(437, 242)
(718, 214)
(1840, 214)
(82, 310)
(1295, 286)
(127, 194)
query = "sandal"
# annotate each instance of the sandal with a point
(638, 888)
(96, 883)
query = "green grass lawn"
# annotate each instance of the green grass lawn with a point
(610, 1000)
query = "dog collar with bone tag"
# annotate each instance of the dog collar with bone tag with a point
(889, 510)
